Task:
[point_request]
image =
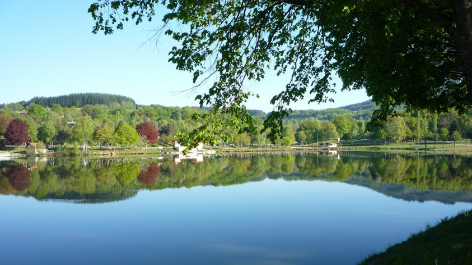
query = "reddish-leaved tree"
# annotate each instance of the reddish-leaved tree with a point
(19, 177)
(149, 176)
(146, 129)
(16, 133)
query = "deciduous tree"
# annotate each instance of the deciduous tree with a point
(288, 132)
(417, 53)
(126, 135)
(104, 135)
(4, 122)
(242, 139)
(83, 131)
(444, 135)
(311, 128)
(396, 129)
(17, 132)
(32, 129)
(343, 125)
(456, 136)
(36, 111)
(46, 132)
(63, 135)
(329, 131)
(148, 130)
(300, 137)
(286, 141)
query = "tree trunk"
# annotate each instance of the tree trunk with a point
(462, 36)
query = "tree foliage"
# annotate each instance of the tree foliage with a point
(63, 135)
(17, 132)
(148, 130)
(81, 99)
(46, 132)
(444, 134)
(126, 135)
(329, 131)
(456, 136)
(104, 134)
(4, 122)
(343, 125)
(36, 111)
(416, 53)
(83, 130)
(286, 141)
(396, 129)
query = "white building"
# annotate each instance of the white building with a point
(180, 148)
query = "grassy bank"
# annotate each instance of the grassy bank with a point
(360, 145)
(448, 242)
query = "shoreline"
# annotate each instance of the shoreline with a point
(462, 149)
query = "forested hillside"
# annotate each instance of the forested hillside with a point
(82, 99)
(114, 123)
(366, 105)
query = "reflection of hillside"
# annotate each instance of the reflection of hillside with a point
(408, 177)
(399, 191)
(409, 193)
(93, 198)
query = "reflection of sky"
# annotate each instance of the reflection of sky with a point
(268, 222)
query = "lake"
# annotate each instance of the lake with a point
(247, 209)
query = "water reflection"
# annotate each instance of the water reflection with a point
(18, 177)
(194, 157)
(446, 179)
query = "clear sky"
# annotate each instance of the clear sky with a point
(47, 49)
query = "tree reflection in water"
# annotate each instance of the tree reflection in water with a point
(148, 176)
(18, 176)
(409, 176)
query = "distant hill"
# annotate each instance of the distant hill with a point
(82, 99)
(252, 112)
(366, 105)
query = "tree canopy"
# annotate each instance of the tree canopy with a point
(126, 135)
(4, 122)
(81, 99)
(147, 129)
(417, 53)
(17, 132)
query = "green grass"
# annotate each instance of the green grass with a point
(448, 147)
(448, 242)
(120, 151)
(18, 150)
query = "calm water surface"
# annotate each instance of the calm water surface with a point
(269, 209)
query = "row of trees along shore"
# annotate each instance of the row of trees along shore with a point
(114, 124)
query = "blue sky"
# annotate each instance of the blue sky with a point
(47, 49)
